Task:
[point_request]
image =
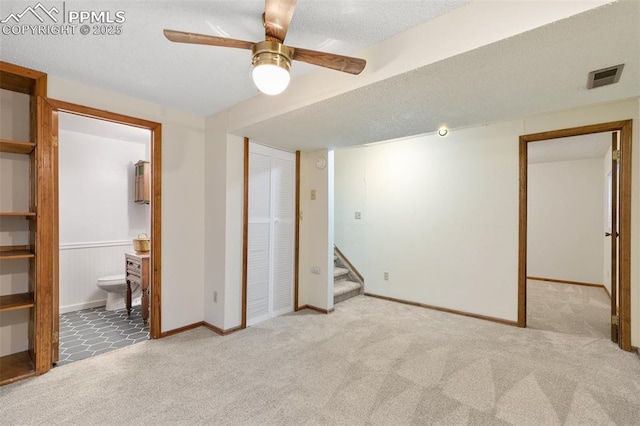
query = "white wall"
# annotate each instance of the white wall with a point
(466, 184)
(435, 216)
(97, 213)
(14, 168)
(14, 196)
(565, 220)
(97, 189)
(182, 194)
(606, 246)
(14, 115)
(316, 240)
(224, 180)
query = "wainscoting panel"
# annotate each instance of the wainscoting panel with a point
(81, 264)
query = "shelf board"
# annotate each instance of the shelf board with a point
(14, 302)
(15, 252)
(15, 367)
(16, 147)
(18, 214)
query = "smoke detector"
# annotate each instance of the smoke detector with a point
(604, 77)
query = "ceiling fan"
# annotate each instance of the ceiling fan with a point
(271, 58)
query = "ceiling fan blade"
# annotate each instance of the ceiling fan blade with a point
(329, 60)
(193, 38)
(277, 17)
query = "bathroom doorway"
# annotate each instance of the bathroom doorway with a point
(100, 210)
(53, 112)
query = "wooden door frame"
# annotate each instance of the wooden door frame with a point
(245, 234)
(625, 128)
(50, 130)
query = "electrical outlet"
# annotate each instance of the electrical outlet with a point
(386, 276)
(215, 297)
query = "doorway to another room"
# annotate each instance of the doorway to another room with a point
(575, 220)
(138, 261)
(568, 278)
(103, 205)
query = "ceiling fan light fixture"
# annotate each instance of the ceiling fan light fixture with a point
(271, 65)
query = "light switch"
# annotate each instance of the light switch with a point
(313, 194)
(358, 215)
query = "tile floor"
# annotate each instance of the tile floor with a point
(95, 331)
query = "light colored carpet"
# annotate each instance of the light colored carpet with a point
(369, 362)
(570, 309)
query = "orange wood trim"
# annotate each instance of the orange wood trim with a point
(55, 244)
(16, 301)
(155, 317)
(553, 280)
(576, 131)
(27, 215)
(314, 308)
(447, 310)
(349, 264)
(14, 248)
(296, 262)
(245, 232)
(23, 80)
(156, 189)
(16, 147)
(102, 114)
(16, 366)
(220, 331)
(182, 329)
(625, 179)
(624, 295)
(45, 236)
(522, 237)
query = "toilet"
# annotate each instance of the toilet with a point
(116, 288)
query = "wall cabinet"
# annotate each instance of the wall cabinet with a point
(25, 297)
(143, 182)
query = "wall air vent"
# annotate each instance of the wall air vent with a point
(604, 76)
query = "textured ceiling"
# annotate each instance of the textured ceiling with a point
(538, 71)
(202, 79)
(568, 149)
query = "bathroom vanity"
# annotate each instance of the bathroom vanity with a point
(137, 267)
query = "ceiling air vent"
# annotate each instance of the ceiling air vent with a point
(604, 76)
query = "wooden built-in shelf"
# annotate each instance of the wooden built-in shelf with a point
(14, 302)
(15, 367)
(16, 147)
(18, 214)
(15, 252)
(36, 303)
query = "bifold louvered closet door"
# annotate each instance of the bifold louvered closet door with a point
(271, 242)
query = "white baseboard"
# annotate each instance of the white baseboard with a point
(79, 306)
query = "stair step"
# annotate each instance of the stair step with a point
(343, 287)
(338, 272)
(344, 290)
